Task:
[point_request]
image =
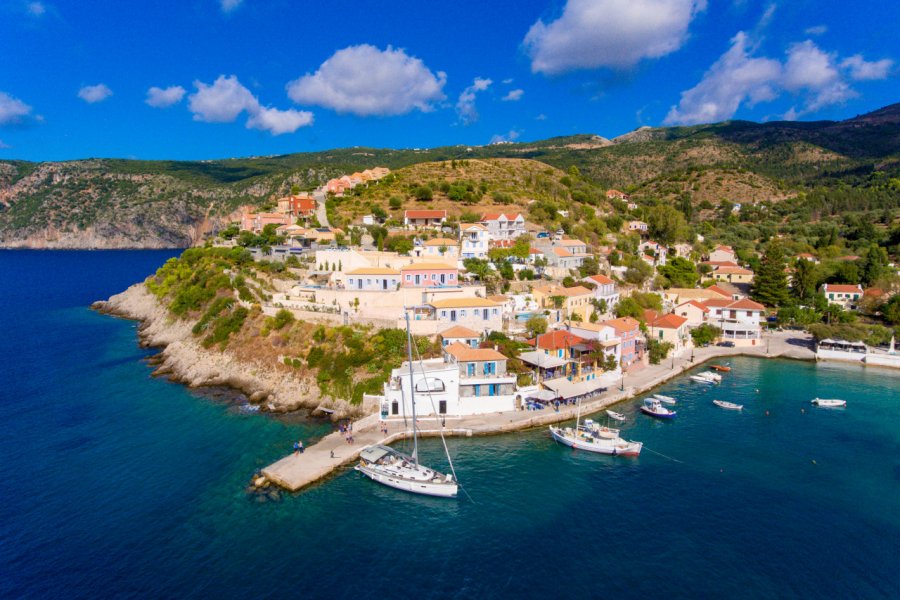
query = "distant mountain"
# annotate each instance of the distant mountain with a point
(125, 203)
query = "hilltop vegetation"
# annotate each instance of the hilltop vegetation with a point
(127, 203)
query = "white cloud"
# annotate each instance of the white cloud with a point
(465, 105)
(36, 9)
(541, 117)
(94, 93)
(164, 97)
(816, 30)
(277, 121)
(222, 101)
(863, 70)
(227, 98)
(513, 96)
(510, 136)
(609, 33)
(229, 5)
(818, 78)
(4, 146)
(507, 81)
(735, 78)
(366, 81)
(12, 110)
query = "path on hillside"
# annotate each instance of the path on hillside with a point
(321, 213)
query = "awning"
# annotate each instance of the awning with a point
(539, 359)
(545, 395)
(567, 389)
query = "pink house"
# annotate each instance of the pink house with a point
(256, 221)
(429, 275)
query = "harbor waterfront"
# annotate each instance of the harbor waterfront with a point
(118, 484)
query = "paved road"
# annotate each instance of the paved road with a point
(321, 214)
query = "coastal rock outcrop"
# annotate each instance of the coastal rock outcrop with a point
(184, 360)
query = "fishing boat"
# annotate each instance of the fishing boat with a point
(394, 469)
(702, 379)
(728, 405)
(720, 368)
(589, 436)
(832, 403)
(654, 408)
(665, 399)
(616, 416)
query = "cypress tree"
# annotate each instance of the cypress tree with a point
(770, 285)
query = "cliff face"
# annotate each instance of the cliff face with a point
(186, 361)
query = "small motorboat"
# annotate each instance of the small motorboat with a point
(721, 368)
(665, 399)
(702, 379)
(714, 376)
(654, 408)
(616, 416)
(826, 403)
(728, 405)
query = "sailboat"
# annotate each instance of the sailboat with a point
(395, 469)
(593, 438)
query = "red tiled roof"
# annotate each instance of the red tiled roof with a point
(425, 214)
(601, 279)
(466, 354)
(496, 216)
(669, 321)
(623, 324)
(842, 289)
(556, 340)
(458, 331)
(695, 303)
(719, 290)
(562, 252)
(747, 304)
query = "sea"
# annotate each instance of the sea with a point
(119, 484)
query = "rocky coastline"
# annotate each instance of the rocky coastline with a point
(184, 360)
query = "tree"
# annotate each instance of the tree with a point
(874, 265)
(589, 267)
(667, 225)
(805, 280)
(627, 307)
(557, 301)
(423, 192)
(638, 272)
(658, 350)
(379, 213)
(395, 202)
(770, 281)
(705, 334)
(536, 325)
(891, 310)
(680, 272)
(403, 246)
(478, 267)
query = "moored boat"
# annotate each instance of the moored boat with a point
(728, 405)
(582, 440)
(665, 399)
(829, 403)
(714, 376)
(721, 368)
(702, 379)
(616, 416)
(654, 408)
(595, 428)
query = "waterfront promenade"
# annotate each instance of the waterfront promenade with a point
(296, 471)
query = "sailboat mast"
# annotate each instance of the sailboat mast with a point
(412, 387)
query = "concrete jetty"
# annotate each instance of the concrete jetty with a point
(296, 471)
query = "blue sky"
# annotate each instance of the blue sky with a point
(257, 77)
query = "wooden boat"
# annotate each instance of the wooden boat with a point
(728, 405)
(594, 428)
(593, 438)
(665, 399)
(720, 368)
(654, 408)
(616, 416)
(826, 403)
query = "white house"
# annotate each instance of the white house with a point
(441, 248)
(373, 279)
(460, 335)
(475, 240)
(605, 289)
(845, 296)
(604, 337)
(656, 253)
(424, 218)
(479, 314)
(739, 320)
(504, 227)
(723, 254)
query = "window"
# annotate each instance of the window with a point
(409, 277)
(462, 313)
(443, 313)
(490, 368)
(442, 407)
(470, 369)
(395, 408)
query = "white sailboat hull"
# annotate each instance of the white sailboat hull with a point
(614, 447)
(426, 488)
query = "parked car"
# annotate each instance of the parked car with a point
(726, 344)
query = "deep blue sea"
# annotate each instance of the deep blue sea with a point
(118, 484)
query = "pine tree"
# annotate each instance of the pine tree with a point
(770, 285)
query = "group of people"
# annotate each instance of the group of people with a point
(347, 430)
(298, 447)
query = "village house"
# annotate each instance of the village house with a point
(460, 335)
(722, 254)
(605, 289)
(628, 329)
(441, 248)
(731, 274)
(600, 337)
(670, 328)
(563, 345)
(427, 274)
(739, 320)
(424, 218)
(373, 279)
(573, 301)
(807, 256)
(483, 377)
(676, 296)
(683, 250)
(297, 206)
(476, 313)
(653, 253)
(616, 195)
(694, 311)
(636, 227)
(504, 226)
(474, 239)
(255, 222)
(845, 296)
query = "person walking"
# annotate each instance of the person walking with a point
(296, 448)
(300, 445)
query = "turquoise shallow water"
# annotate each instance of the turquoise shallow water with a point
(116, 484)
